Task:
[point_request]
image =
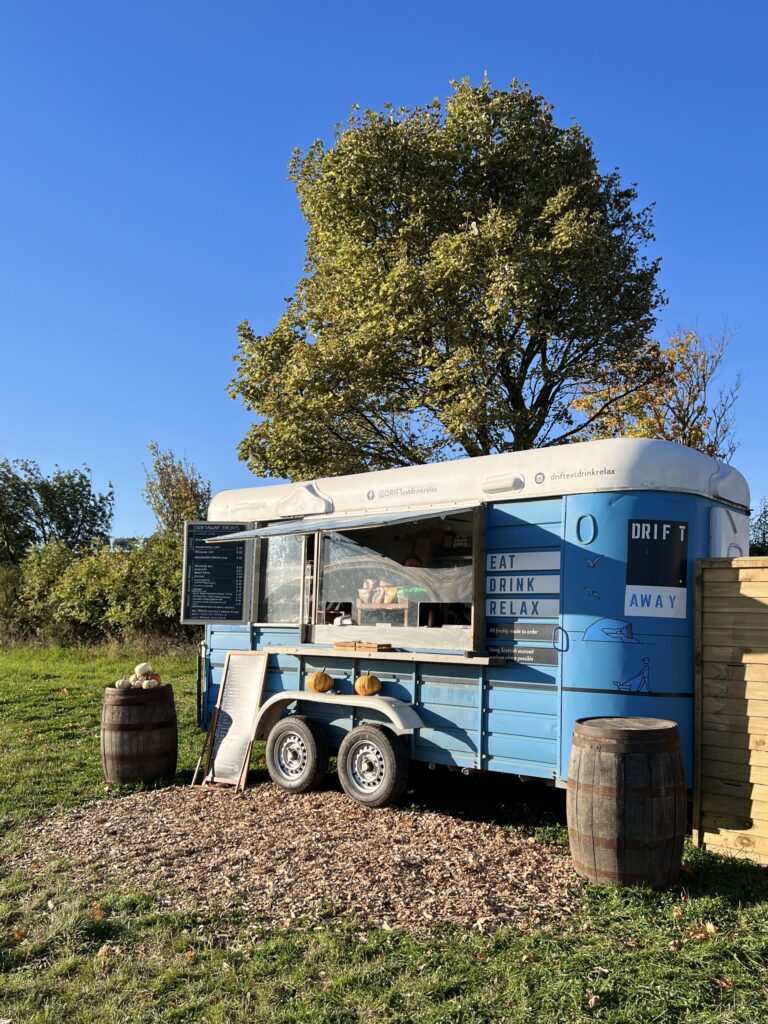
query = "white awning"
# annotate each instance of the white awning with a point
(329, 523)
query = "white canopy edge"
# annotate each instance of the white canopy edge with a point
(614, 464)
(311, 524)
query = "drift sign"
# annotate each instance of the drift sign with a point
(657, 569)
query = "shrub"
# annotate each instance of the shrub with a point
(88, 595)
(103, 594)
(12, 624)
(41, 570)
(150, 603)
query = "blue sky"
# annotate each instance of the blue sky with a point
(145, 209)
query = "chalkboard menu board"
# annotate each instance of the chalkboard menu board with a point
(217, 577)
(234, 721)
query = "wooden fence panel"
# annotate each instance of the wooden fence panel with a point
(731, 784)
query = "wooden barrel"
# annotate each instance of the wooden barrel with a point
(626, 801)
(139, 739)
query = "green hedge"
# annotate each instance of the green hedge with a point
(104, 594)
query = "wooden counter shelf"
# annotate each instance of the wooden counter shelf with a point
(310, 650)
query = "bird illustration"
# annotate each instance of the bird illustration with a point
(592, 562)
(591, 592)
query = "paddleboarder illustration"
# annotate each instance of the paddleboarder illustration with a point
(610, 631)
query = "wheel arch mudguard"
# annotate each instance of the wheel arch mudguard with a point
(402, 717)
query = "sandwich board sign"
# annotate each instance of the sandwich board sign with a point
(233, 726)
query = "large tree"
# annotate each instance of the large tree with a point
(684, 404)
(37, 509)
(469, 271)
(174, 490)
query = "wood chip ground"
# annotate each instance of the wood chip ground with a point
(280, 858)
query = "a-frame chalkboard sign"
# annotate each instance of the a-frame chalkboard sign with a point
(228, 743)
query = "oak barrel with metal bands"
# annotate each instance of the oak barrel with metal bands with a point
(627, 801)
(139, 736)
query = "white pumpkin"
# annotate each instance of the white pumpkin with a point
(149, 684)
(143, 669)
(121, 684)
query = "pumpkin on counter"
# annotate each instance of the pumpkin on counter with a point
(319, 682)
(367, 685)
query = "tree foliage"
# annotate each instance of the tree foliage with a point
(101, 594)
(37, 509)
(469, 271)
(62, 582)
(17, 533)
(681, 405)
(175, 491)
(84, 602)
(39, 575)
(758, 530)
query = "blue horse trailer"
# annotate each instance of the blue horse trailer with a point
(497, 599)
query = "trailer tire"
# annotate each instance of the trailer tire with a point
(373, 766)
(297, 754)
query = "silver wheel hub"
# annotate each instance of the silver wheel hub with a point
(365, 766)
(291, 756)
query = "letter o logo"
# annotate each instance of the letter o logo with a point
(586, 529)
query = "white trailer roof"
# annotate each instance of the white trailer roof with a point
(611, 465)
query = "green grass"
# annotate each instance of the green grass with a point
(50, 714)
(696, 955)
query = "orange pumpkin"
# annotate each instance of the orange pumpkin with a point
(367, 685)
(319, 682)
(155, 676)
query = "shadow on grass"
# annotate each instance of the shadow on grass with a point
(739, 882)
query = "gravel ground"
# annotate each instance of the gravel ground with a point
(282, 857)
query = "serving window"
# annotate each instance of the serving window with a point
(409, 584)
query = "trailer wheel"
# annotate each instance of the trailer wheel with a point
(373, 766)
(297, 754)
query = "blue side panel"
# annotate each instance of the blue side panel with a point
(629, 650)
(525, 701)
(282, 674)
(445, 746)
(397, 681)
(522, 696)
(447, 697)
(219, 640)
(449, 700)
